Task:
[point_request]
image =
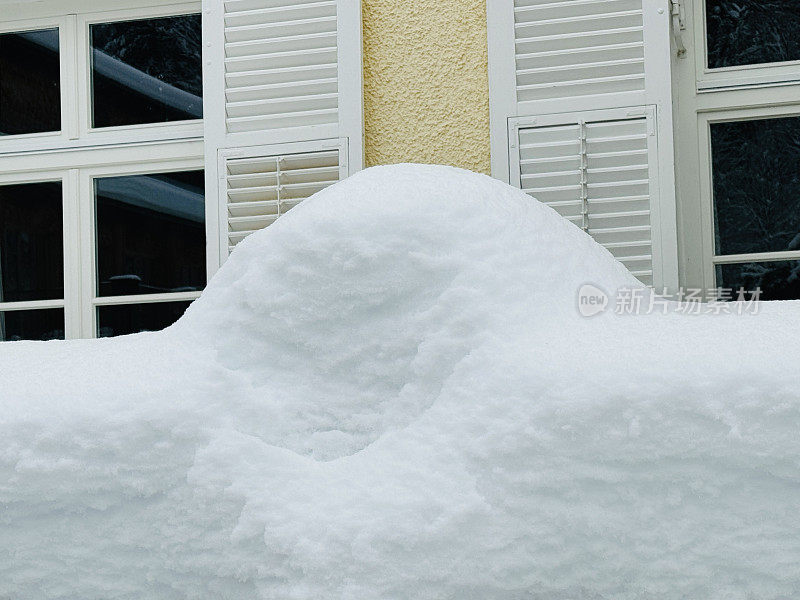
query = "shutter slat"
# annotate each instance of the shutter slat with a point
(261, 46)
(630, 63)
(275, 14)
(282, 90)
(575, 7)
(282, 120)
(294, 58)
(256, 108)
(251, 209)
(278, 31)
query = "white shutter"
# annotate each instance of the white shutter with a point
(579, 48)
(280, 64)
(282, 96)
(581, 118)
(260, 184)
(595, 169)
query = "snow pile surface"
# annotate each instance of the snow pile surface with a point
(390, 394)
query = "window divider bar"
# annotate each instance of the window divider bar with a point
(145, 298)
(749, 257)
(30, 305)
(70, 83)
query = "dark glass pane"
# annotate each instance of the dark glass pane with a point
(150, 233)
(146, 71)
(776, 280)
(30, 95)
(756, 184)
(134, 318)
(45, 324)
(751, 32)
(31, 242)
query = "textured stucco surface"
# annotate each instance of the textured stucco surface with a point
(426, 92)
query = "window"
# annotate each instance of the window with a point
(146, 71)
(739, 134)
(746, 42)
(30, 82)
(150, 232)
(102, 195)
(31, 261)
(756, 201)
(751, 32)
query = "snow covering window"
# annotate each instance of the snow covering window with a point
(150, 233)
(134, 318)
(777, 280)
(45, 324)
(750, 32)
(146, 71)
(30, 96)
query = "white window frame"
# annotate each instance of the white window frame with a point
(738, 77)
(76, 129)
(147, 131)
(90, 300)
(79, 153)
(502, 83)
(68, 209)
(76, 170)
(47, 139)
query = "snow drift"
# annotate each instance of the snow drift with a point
(390, 394)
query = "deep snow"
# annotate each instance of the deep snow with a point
(390, 394)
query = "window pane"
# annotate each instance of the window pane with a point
(150, 233)
(31, 242)
(750, 32)
(134, 318)
(756, 184)
(146, 71)
(30, 95)
(776, 280)
(45, 324)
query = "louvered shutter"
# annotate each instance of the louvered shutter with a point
(260, 184)
(596, 172)
(282, 106)
(280, 64)
(582, 119)
(579, 49)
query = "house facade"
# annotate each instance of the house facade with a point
(140, 144)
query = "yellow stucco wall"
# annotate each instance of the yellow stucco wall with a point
(426, 92)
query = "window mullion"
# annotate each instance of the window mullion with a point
(72, 255)
(87, 266)
(70, 95)
(82, 79)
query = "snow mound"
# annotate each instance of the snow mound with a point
(390, 394)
